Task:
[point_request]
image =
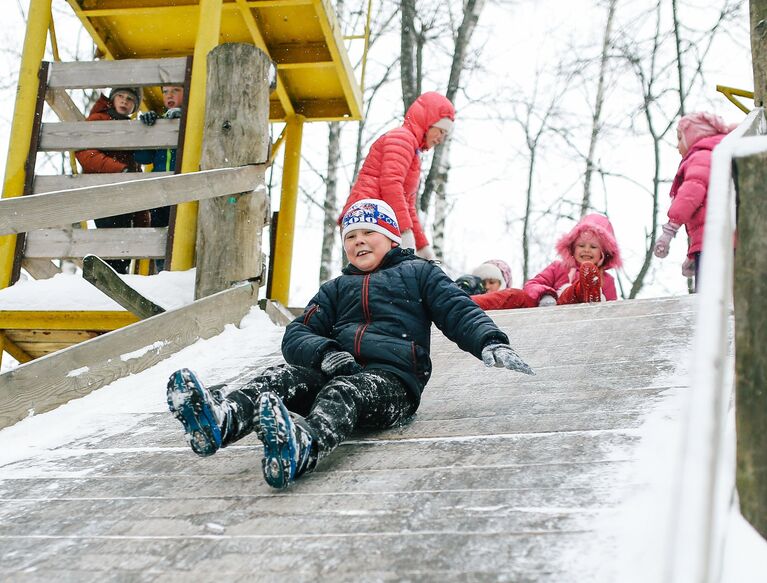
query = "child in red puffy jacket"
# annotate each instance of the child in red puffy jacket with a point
(587, 251)
(698, 134)
(392, 169)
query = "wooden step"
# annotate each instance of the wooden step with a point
(143, 243)
(45, 183)
(120, 73)
(108, 135)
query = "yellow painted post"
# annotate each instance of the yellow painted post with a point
(185, 232)
(23, 120)
(283, 251)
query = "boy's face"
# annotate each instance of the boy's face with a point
(172, 97)
(124, 103)
(587, 248)
(366, 249)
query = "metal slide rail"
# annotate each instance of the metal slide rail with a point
(705, 487)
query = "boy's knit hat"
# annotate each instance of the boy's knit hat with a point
(135, 91)
(495, 269)
(699, 125)
(374, 215)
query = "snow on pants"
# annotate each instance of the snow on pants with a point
(332, 407)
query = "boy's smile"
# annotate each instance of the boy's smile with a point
(366, 249)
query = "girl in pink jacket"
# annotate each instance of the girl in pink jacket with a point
(392, 169)
(587, 251)
(698, 134)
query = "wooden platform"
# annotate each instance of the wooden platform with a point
(500, 477)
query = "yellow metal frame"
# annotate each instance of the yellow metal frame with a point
(96, 320)
(38, 23)
(731, 92)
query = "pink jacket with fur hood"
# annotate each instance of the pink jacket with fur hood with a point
(557, 274)
(392, 168)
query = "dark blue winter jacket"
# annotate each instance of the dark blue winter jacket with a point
(384, 319)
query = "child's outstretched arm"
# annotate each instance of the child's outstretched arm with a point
(463, 322)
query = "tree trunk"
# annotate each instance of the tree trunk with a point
(407, 53)
(330, 207)
(679, 66)
(471, 12)
(596, 118)
(750, 340)
(441, 209)
(758, 10)
(526, 221)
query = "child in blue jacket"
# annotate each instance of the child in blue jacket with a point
(357, 357)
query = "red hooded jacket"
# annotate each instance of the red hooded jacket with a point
(689, 190)
(557, 274)
(98, 161)
(392, 168)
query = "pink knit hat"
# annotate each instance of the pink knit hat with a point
(698, 125)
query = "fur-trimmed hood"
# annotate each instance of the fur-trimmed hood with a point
(601, 227)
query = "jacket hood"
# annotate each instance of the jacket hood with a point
(708, 143)
(427, 110)
(103, 105)
(599, 225)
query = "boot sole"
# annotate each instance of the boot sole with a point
(187, 400)
(278, 435)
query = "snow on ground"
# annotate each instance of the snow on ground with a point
(93, 416)
(67, 291)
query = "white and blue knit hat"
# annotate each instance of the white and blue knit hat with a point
(373, 215)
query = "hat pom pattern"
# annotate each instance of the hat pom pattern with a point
(373, 215)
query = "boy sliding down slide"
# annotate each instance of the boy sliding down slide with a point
(358, 357)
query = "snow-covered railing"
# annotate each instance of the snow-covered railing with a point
(705, 487)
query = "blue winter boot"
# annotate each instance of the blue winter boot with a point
(288, 442)
(201, 415)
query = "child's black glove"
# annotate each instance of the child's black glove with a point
(503, 356)
(339, 363)
(148, 118)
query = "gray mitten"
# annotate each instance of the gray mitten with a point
(339, 363)
(173, 113)
(503, 356)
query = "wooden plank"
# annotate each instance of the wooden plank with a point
(48, 382)
(40, 268)
(107, 243)
(38, 211)
(63, 106)
(278, 313)
(108, 135)
(106, 279)
(32, 336)
(65, 320)
(236, 133)
(45, 183)
(40, 349)
(120, 73)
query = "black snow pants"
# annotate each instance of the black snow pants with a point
(332, 407)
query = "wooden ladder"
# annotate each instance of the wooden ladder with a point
(36, 249)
